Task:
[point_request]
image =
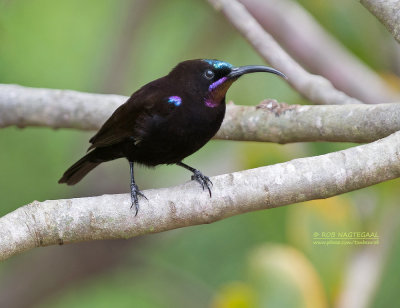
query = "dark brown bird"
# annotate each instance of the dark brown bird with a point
(165, 121)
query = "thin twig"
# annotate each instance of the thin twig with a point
(315, 88)
(310, 44)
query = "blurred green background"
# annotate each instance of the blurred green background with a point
(252, 260)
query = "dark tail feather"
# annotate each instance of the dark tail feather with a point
(78, 170)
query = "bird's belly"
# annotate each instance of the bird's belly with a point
(167, 148)
(171, 143)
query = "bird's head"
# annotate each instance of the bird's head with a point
(211, 79)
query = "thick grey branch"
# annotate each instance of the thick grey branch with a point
(388, 13)
(23, 106)
(108, 217)
(281, 123)
(315, 88)
(270, 121)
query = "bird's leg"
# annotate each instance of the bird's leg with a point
(197, 176)
(135, 191)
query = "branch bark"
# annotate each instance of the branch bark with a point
(387, 12)
(315, 88)
(281, 123)
(268, 122)
(109, 217)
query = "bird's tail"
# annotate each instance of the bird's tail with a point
(77, 171)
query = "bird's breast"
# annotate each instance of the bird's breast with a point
(200, 120)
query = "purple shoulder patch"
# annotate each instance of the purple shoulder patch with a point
(176, 100)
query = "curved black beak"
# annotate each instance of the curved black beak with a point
(241, 70)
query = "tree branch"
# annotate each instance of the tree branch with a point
(315, 88)
(23, 106)
(281, 123)
(267, 122)
(387, 12)
(109, 216)
(310, 44)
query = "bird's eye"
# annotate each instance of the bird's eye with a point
(209, 74)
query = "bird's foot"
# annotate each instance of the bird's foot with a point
(204, 181)
(135, 192)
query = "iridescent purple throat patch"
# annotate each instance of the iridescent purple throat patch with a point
(210, 103)
(216, 84)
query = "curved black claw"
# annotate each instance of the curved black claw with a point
(135, 192)
(204, 181)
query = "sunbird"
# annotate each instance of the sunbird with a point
(165, 121)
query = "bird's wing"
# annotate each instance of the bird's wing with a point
(114, 130)
(127, 119)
